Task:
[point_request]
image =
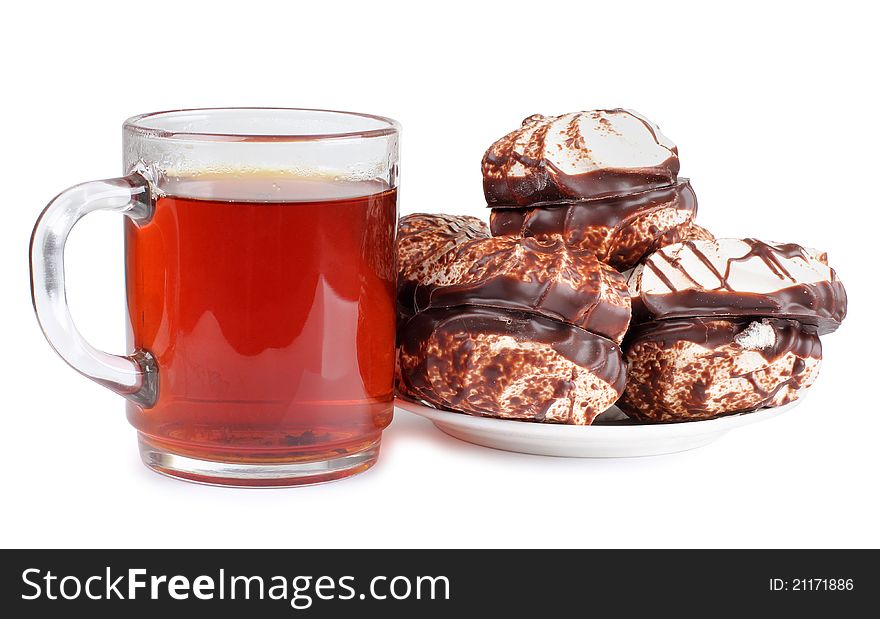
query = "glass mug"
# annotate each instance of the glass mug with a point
(260, 278)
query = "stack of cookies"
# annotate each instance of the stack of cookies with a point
(589, 220)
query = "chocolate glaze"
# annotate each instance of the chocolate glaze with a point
(406, 291)
(597, 354)
(544, 182)
(821, 305)
(791, 335)
(602, 211)
(768, 254)
(588, 225)
(545, 298)
(583, 306)
(510, 222)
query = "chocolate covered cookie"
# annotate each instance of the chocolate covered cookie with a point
(507, 364)
(512, 327)
(577, 156)
(696, 368)
(605, 181)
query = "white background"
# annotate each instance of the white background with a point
(774, 108)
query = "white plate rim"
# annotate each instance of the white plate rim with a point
(568, 432)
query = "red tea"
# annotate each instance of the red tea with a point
(271, 318)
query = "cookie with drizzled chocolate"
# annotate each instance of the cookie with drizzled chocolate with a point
(727, 326)
(738, 277)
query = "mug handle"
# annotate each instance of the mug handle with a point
(135, 376)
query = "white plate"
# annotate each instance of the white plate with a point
(612, 435)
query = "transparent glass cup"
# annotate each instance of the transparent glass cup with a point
(260, 284)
